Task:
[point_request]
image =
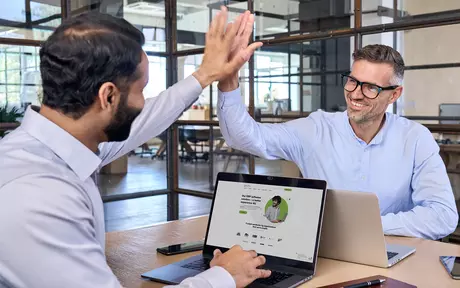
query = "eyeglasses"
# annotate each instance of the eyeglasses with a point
(368, 89)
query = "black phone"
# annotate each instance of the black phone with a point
(181, 248)
(452, 265)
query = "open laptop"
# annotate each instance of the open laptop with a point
(244, 212)
(352, 231)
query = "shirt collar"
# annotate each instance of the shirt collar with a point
(76, 155)
(378, 139)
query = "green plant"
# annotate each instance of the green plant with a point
(9, 116)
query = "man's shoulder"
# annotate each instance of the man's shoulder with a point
(406, 127)
(34, 199)
(322, 116)
(41, 186)
(27, 160)
(409, 134)
(324, 120)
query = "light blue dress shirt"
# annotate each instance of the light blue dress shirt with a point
(401, 165)
(51, 213)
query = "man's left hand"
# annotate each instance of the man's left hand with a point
(239, 45)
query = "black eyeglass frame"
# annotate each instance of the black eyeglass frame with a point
(359, 83)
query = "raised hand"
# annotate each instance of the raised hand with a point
(243, 36)
(224, 53)
(240, 50)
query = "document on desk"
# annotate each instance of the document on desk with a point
(390, 282)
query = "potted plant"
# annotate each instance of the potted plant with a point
(8, 118)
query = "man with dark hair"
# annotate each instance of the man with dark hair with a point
(94, 71)
(361, 149)
(273, 212)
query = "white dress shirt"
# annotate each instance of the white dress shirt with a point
(272, 213)
(51, 212)
(401, 165)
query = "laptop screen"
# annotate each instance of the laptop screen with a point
(279, 221)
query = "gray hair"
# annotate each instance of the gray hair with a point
(378, 53)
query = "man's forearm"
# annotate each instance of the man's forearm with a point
(229, 84)
(270, 141)
(422, 222)
(158, 114)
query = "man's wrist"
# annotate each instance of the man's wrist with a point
(229, 84)
(204, 78)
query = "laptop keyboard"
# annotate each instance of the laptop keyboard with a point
(203, 264)
(274, 278)
(391, 255)
(200, 264)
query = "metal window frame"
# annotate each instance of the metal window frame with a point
(171, 54)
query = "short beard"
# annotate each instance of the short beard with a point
(120, 127)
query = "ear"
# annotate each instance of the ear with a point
(109, 97)
(395, 95)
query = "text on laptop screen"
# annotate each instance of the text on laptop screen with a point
(272, 220)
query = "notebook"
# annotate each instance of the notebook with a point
(390, 282)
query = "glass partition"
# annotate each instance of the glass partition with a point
(20, 80)
(147, 16)
(31, 20)
(276, 19)
(194, 17)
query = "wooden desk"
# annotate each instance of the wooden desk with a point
(130, 253)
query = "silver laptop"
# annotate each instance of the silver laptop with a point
(277, 217)
(352, 231)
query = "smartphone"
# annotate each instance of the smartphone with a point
(181, 248)
(452, 265)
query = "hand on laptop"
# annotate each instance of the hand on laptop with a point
(242, 265)
(221, 56)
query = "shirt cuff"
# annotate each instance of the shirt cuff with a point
(218, 277)
(230, 98)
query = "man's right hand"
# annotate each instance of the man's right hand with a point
(242, 265)
(217, 63)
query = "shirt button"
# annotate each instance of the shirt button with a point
(363, 177)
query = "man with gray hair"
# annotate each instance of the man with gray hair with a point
(362, 149)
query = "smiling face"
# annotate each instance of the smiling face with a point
(362, 109)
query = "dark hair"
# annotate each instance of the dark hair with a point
(83, 53)
(383, 54)
(277, 199)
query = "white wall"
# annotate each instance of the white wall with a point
(426, 89)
